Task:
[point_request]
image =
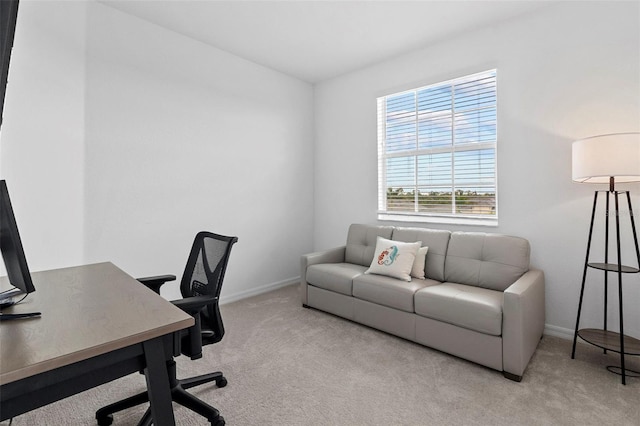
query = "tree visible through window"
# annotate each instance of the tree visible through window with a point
(437, 150)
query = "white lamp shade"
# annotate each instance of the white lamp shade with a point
(597, 159)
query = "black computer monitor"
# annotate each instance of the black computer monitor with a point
(12, 252)
(8, 17)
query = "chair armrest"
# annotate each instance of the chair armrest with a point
(334, 255)
(191, 344)
(193, 305)
(154, 283)
(523, 316)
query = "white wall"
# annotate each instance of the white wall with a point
(183, 137)
(565, 72)
(42, 145)
(121, 140)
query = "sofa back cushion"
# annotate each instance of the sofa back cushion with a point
(361, 242)
(437, 241)
(486, 260)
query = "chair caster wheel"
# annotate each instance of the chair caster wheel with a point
(221, 382)
(105, 420)
(219, 421)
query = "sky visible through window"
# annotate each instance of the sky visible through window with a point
(440, 140)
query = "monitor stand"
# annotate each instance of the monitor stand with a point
(7, 298)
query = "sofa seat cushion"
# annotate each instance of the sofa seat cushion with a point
(336, 277)
(474, 308)
(388, 291)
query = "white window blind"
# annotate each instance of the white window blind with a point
(437, 150)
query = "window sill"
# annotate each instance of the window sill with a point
(472, 221)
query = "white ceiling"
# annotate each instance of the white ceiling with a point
(318, 40)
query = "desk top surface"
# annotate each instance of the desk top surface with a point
(86, 311)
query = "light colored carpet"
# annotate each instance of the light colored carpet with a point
(287, 365)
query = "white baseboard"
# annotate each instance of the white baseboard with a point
(564, 333)
(228, 298)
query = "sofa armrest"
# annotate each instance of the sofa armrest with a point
(334, 255)
(523, 316)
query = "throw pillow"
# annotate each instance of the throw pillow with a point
(393, 258)
(418, 265)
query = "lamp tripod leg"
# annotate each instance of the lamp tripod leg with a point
(584, 274)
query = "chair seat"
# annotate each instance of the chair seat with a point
(474, 308)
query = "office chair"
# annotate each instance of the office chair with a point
(200, 289)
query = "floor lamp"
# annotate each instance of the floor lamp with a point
(609, 159)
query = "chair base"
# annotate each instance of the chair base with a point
(179, 395)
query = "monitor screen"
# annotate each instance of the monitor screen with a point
(14, 260)
(8, 16)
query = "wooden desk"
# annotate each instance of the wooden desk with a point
(97, 324)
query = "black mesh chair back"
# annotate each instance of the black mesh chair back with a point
(203, 276)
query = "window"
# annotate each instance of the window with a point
(437, 152)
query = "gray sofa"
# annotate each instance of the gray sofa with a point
(479, 299)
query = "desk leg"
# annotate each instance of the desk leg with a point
(158, 383)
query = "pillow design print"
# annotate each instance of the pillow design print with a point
(388, 256)
(393, 258)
